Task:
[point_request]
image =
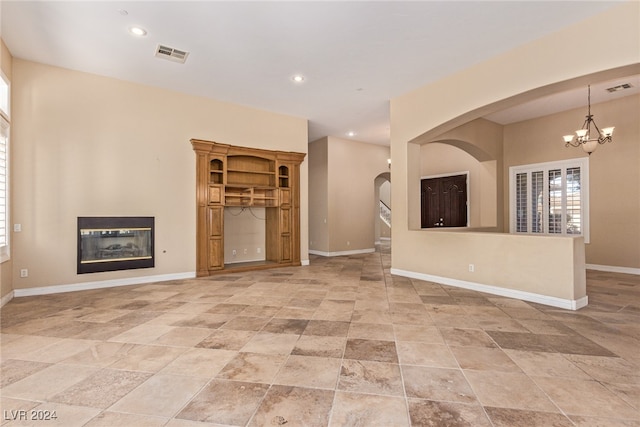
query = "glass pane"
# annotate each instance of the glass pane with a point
(108, 244)
(537, 202)
(114, 243)
(555, 201)
(521, 203)
(574, 208)
(3, 184)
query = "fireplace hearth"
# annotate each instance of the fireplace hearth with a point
(115, 243)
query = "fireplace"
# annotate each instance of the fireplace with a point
(115, 243)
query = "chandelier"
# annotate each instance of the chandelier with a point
(583, 138)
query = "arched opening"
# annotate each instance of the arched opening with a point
(484, 140)
(444, 159)
(382, 208)
(473, 150)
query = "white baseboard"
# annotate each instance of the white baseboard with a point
(342, 253)
(5, 299)
(505, 292)
(101, 284)
(614, 269)
(304, 262)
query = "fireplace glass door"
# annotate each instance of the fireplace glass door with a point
(114, 243)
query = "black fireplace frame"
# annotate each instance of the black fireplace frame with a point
(116, 224)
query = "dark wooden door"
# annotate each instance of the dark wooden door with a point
(444, 201)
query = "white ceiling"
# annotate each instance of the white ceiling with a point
(355, 55)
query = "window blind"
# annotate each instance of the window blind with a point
(550, 198)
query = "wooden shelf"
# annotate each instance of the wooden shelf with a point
(245, 195)
(250, 179)
(283, 176)
(232, 176)
(248, 186)
(216, 177)
(250, 171)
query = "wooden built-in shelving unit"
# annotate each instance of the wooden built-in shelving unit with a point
(235, 176)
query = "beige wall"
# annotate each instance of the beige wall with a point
(614, 173)
(318, 195)
(86, 145)
(516, 76)
(6, 275)
(352, 168)
(244, 232)
(500, 260)
(5, 59)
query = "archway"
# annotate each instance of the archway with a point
(382, 207)
(444, 158)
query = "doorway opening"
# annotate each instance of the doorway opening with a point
(382, 208)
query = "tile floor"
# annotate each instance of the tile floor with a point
(338, 343)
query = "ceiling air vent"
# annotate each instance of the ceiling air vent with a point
(619, 87)
(171, 54)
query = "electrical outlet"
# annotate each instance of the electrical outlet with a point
(258, 250)
(17, 228)
(24, 273)
(472, 268)
(245, 251)
(348, 243)
(234, 252)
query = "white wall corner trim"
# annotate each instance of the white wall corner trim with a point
(614, 269)
(505, 292)
(304, 262)
(5, 299)
(342, 253)
(56, 289)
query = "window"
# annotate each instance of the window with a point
(550, 198)
(4, 169)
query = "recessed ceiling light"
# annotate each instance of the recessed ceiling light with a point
(298, 78)
(351, 133)
(138, 31)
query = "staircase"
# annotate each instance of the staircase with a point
(385, 213)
